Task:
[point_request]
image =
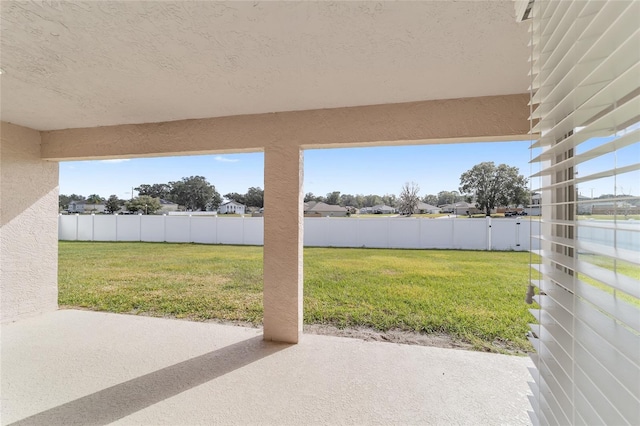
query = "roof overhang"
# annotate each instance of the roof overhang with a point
(87, 64)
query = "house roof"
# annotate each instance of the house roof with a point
(382, 207)
(107, 63)
(425, 206)
(322, 207)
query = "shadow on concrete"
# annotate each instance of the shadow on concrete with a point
(116, 402)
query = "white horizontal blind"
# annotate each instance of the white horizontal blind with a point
(585, 69)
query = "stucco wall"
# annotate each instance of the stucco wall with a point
(283, 233)
(28, 225)
(489, 118)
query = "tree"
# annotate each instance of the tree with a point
(309, 196)
(95, 199)
(333, 198)
(144, 204)
(234, 196)
(348, 200)
(449, 197)
(195, 193)
(493, 186)
(390, 200)
(113, 204)
(430, 199)
(254, 197)
(372, 200)
(409, 199)
(63, 202)
(157, 190)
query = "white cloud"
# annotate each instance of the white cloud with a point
(115, 160)
(225, 159)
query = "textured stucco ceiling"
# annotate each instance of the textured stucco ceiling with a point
(84, 64)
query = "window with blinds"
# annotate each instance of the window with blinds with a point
(585, 98)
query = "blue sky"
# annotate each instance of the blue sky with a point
(375, 170)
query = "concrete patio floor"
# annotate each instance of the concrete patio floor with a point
(76, 367)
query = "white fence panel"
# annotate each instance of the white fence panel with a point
(177, 229)
(104, 228)
(67, 227)
(203, 230)
(469, 234)
(339, 231)
(436, 234)
(253, 231)
(314, 232)
(85, 227)
(505, 234)
(373, 233)
(386, 232)
(230, 230)
(404, 233)
(128, 228)
(152, 228)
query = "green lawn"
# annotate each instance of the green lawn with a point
(472, 295)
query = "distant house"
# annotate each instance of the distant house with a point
(84, 207)
(231, 207)
(461, 208)
(382, 209)
(320, 209)
(425, 208)
(533, 209)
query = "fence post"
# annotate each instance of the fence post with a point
(453, 232)
(518, 233)
(328, 236)
(140, 227)
(77, 224)
(164, 227)
(116, 237)
(93, 226)
(488, 221)
(190, 237)
(388, 230)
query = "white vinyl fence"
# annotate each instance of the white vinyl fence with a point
(384, 232)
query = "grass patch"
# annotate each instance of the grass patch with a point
(472, 295)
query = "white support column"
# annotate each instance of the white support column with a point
(283, 234)
(28, 226)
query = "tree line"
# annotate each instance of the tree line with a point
(192, 193)
(391, 200)
(486, 185)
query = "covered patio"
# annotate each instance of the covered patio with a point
(77, 367)
(84, 80)
(104, 80)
